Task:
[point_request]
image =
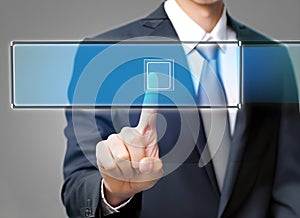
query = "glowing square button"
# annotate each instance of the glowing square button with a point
(163, 70)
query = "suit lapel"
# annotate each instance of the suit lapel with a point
(162, 27)
(160, 24)
(237, 144)
(198, 135)
(240, 136)
(236, 151)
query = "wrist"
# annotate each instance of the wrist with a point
(106, 207)
(114, 199)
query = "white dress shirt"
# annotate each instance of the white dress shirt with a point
(190, 33)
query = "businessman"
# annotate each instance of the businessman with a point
(121, 172)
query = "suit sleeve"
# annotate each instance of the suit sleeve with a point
(81, 189)
(82, 180)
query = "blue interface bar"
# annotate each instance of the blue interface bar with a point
(108, 74)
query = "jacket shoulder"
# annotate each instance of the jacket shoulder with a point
(127, 31)
(138, 28)
(246, 33)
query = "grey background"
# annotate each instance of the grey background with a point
(32, 143)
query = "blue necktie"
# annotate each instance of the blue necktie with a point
(211, 93)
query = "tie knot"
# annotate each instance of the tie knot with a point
(208, 51)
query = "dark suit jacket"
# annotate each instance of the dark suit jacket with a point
(263, 176)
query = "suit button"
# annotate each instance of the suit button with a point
(87, 212)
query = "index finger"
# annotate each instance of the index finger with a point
(148, 115)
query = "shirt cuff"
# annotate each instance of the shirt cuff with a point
(107, 209)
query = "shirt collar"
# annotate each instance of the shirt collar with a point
(189, 31)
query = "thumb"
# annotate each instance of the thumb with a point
(148, 115)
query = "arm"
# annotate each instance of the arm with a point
(95, 149)
(81, 189)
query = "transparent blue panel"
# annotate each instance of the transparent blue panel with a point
(42, 73)
(52, 74)
(270, 73)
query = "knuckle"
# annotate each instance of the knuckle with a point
(129, 134)
(111, 137)
(99, 164)
(122, 156)
(110, 167)
(124, 131)
(159, 165)
(99, 149)
(126, 128)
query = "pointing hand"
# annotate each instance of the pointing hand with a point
(129, 161)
